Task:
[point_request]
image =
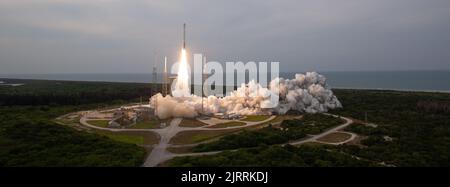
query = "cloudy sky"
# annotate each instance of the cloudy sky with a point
(114, 36)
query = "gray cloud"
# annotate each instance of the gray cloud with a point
(109, 36)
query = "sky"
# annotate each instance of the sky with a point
(131, 36)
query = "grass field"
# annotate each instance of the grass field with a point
(228, 124)
(312, 144)
(280, 118)
(132, 139)
(191, 123)
(189, 137)
(335, 137)
(99, 123)
(150, 124)
(180, 150)
(255, 118)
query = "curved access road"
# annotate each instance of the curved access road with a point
(160, 153)
(314, 138)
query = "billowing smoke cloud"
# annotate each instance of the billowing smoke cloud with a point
(306, 93)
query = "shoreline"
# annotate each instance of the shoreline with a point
(102, 81)
(392, 89)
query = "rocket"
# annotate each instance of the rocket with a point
(184, 36)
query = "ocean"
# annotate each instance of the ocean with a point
(391, 80)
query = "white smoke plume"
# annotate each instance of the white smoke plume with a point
(306, 93)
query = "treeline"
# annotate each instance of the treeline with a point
(416, 137)
(43, 92)
(273, 156)
(434, 106)
(312, 123)
(66, 99)
(29, 138)
(403, 135)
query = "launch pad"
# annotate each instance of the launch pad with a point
(181, 119)
(256, 96)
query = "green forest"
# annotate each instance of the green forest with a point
(409, 129)
(417, 124)
(29, 137)
(420, 136)
(274, 156)
(46, 92)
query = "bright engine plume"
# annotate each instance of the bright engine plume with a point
(305, 93)
(182, 88)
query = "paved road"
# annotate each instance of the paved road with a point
(348, 121)
(160, 154)
(313, 138)
(84, 119)
(352, 137)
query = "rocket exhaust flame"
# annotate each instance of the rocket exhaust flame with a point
(182, 86)
(305, 93)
